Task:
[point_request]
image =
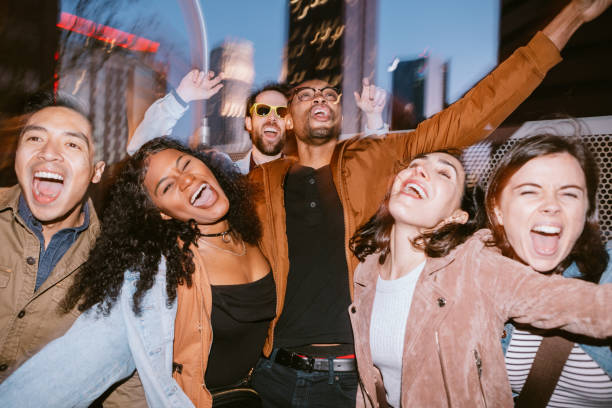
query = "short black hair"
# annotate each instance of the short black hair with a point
(45, 99)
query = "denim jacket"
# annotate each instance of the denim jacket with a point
(100, 350)
(602, 355)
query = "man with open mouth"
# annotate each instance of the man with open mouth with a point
(48, 226)
(264, 120)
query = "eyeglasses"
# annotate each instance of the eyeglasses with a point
(306, 93)
(263, 110)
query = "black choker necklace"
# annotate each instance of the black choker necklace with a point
(225, 235)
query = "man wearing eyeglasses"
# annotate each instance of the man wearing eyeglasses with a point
(266, 109)
(312, 206)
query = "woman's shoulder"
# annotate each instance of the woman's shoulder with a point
(481, 240)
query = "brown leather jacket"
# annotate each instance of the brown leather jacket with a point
(452, 355)
(362, 167)
(29, 320)
(193, 334)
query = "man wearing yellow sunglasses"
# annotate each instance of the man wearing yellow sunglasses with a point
(264, 119)
(266, 109)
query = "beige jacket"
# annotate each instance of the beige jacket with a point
(452, 353)
(362, 168)
(29, 320)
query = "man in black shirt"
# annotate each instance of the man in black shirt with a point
(318, 202)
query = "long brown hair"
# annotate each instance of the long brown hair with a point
(375, 235)
(588, 252)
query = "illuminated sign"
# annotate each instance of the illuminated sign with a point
(113, 36)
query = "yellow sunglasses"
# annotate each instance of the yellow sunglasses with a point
(263, 110)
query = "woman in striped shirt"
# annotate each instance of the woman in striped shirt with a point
(541, 206)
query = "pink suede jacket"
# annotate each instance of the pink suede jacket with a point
(452, 354)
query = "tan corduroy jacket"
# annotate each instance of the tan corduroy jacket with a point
(29, 320)
(452, 355)
(362, 167)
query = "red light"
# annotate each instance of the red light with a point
(105, 33)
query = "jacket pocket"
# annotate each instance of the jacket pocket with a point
(478, 364)
(5, 276)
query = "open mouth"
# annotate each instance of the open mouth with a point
(321, 113)
(545, 238)
(47, 186)
(271, 132)
(203, 197)
(414, 190)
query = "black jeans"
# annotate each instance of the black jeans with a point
(283, 387)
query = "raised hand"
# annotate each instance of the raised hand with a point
(592, 8)
(372, 98)
(197, 85)
(372, 102)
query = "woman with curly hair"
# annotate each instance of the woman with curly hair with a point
(177, 259)
(541, 203)
(430, 298)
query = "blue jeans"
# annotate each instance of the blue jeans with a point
(282, 387)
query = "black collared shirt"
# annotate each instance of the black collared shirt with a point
(317, 295)
(60, 242)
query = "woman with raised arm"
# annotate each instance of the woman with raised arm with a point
(541, 204)
(177, 260)
(431, 299)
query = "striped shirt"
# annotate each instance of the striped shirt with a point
(582, 382)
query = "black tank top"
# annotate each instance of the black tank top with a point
(240, 318)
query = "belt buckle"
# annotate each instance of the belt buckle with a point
(309, 363)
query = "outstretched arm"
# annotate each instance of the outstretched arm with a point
(484, 107)
(162, 115)
(74, 369)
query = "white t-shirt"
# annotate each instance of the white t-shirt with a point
(387, 329)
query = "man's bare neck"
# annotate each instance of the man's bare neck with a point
(316, 156)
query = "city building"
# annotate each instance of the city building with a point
(418, 91)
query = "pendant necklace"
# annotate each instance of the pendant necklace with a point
(229, 251)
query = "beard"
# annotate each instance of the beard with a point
(266, 147)
(321, 134)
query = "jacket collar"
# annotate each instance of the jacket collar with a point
(364, 276)
(9, 198)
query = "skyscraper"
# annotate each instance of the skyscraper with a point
(418, 91)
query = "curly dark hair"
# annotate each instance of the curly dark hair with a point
(588, 252)
(375, 235)
(134, 236)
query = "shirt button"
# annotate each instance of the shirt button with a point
(21, 314)
(30, 260)
(3, 367)
(441, 302)
(311, 180)
(313, 204)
